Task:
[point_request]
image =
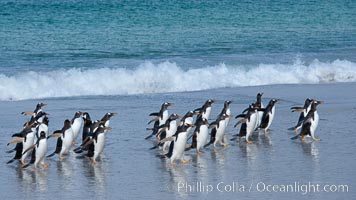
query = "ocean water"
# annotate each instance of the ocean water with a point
(74, 48)
(131, 56)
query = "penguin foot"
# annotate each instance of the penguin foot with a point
(22, 163)
(61, 158)
(316, 139)
(45, 165)
(95, 162)
(267, 131)
(199, 152)
(74, 142)
(172, 164)
(184, 161)
(35, 168)
(303, 139)
(248, 142)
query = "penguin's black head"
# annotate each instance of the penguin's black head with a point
(165, 105)
(86, 116)
(228, 102)
(259, 97)
(78, 114)
(209, 102)
(204, 121)
(67, 124)
(42, 135)
(308, 101)
(40, 105)
(174, 117)
(273, 101)
(45, 120)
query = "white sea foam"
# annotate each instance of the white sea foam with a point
(167, 77)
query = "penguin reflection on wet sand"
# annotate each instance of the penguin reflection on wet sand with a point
(310, 123)
(160, 118)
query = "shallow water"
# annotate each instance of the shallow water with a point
(128, 169)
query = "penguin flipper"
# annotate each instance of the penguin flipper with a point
(295, 137)
(149, 136)
(17, 135)
(292, 128)
(58, 147)
(25, 166)
(16, 140)
(240, 122)
(297, 109)
(240, 115)
(212, 138)
(153, 120)
(170, 152)
(154, 114)
(29, 149)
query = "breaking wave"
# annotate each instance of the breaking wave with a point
(167, 77)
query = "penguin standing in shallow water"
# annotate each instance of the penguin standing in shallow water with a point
(39, 152)
(160, 118)
(87, 123)
(218, 131)
(259, 105)
(248, 122)
(268, 115)
(304, 111)
(310, 122)
(205, 110)
(226, 110)
(200, 135)
(64, 141)
(177, 147)
(168, 130)
(77, 123)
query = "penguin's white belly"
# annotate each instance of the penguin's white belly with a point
(99, 145)
(206, 114)
(189, 120)
(202, 136)
(179, 145)
(172, 129)
(67, 141)
(251, 125)
(271, 117)
(30, 137)
(259, 118)
(314, 123)
(41, 151)
(227, 120)
(164, 118)
(76, 126)
(220, 131)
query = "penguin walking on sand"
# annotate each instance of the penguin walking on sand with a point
(177, 147)
(160, 118)
(259, 105)
(39, 151)
(248, 122)
(310, 123)
(205, 110)
(64, 141)
(218, 131)
(200, 135)
(168, 130)
(77, 123)
(94, 143)
(304, 111)
(268, 115)
(226, 110)
(87, 123)
(23, 141)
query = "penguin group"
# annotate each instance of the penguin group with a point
(175, 137)
(31, 143)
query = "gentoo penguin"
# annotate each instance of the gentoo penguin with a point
(177, 147)
(248, 122)
(310, 122)
(106, 119)
(23, 138)
(218, 131)
(188, 119)
(200, 135)
(304, 111)
(226, 111)
(160, 118)
(268, 115)
(42, 125)
(95, 145)
(205, 110)
(40, 150)
(87, 123)
(36, 111)
(64, 141)
(168, 130)
(259, 105)
(77, 123)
